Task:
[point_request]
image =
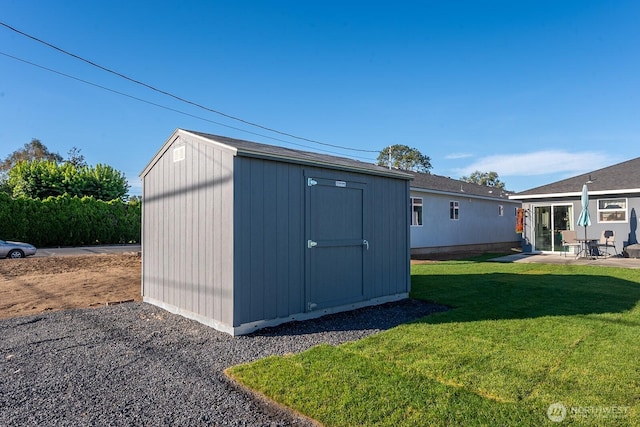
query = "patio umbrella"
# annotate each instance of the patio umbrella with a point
(584, 219)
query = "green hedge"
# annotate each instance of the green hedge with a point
(69, 221)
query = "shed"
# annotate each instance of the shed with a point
(240, 235)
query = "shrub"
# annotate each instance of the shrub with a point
(69, 221)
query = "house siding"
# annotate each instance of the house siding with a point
(625, 232)
(478, 222)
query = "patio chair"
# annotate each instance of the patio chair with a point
(569, 239)
(607, 240)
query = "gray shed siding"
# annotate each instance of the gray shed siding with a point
(188, 215)
(390, 252)
(270, 242)
(269, 230)
(226, 230)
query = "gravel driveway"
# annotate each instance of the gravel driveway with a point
(136, 364)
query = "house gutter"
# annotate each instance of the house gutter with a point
(573, 194)
(458, 194)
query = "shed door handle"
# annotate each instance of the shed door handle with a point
(311, 244)
(366, 243)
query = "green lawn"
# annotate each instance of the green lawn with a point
(519, 337)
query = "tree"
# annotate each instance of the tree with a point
(34, 150)
(39, 179)
(404, 158)
(489, 179)
(103, 182)
(75, 158)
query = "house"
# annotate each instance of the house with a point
(240, 235)
(614, 200)
(453, 216)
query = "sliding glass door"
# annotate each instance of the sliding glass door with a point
(549, 221)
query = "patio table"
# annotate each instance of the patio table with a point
(589, 248)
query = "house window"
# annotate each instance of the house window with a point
(416, 211)
(500, 210)
(454, 210)
(612, 210)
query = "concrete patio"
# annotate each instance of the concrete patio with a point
(613, 261)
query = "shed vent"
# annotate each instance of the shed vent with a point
(178, 153)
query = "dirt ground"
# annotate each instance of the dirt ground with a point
(34, 285)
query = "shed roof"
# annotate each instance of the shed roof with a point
(620, 178)
(443, 184)
(272, 152)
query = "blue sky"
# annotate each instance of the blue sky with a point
(534, 90)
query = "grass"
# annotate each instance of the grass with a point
(519, 337)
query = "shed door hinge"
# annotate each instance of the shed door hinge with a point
(311, 182)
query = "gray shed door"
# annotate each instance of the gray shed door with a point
(335, 224)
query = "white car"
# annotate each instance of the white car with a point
(16, 249)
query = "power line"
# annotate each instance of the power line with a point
(169, 108)
(166, 93)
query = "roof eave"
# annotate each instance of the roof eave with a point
(573, 194)
(178, 133)
(175, 136)
(460, 194)
(312, 162)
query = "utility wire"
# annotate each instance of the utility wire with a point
(166, 93)
(169, 108)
